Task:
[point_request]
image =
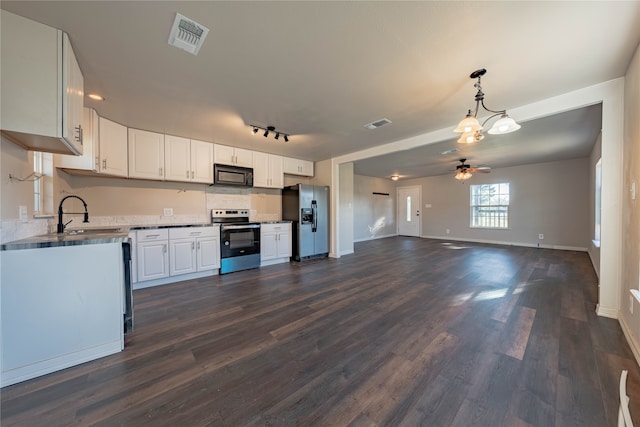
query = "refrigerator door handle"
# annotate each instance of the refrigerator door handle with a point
(314, 212)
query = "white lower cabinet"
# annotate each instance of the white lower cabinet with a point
(152, 253)
(172, 254)
(193, 249)
(275, 243)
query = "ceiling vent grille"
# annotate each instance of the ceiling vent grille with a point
(187, 34)
(377, 124)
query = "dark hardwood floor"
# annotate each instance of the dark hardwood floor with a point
(405, 332)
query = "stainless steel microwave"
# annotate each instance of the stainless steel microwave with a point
(232, 175)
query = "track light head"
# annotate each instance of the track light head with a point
(266, 133)
(277, 135)
(286, 138)
(255, 130)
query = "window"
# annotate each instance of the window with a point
(598, 189)
(408, 208)
(42, 183)
(490, 205)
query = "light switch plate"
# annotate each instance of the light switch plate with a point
(168, 212)
(22, 213)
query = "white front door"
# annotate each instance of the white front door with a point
(409, 211)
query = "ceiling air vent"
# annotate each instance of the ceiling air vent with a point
(187, 34)
(378, 123)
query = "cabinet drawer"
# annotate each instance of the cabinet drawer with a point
(192, 232)
(151, 235)
(272, 228)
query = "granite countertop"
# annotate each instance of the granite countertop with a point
(87, 237)
(95, 235)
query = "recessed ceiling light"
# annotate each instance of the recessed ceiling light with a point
(394, 177)
(95, 97)
(453, 150)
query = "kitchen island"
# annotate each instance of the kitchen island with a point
(62, 302)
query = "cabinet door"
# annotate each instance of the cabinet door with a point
(298, 167)
(268, 246)
(208, 253)
(182, 256)
(284, 244)
(146, 154)
(223, 154)
(153, 260)
(276, 172)
(243, 157)
(177, 158)
(201, 161)
(260, 169)
(90, 157)
(73, 96)
(113, 148)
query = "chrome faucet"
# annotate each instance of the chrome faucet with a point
(61, 226)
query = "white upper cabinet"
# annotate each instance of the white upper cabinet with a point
(146, 154)
(113, 148)
(177, 158)
(201, 161)
(188, 160)
(232, 156)
(42, 87)
(90, 158)
(267, 170)
(298, 167)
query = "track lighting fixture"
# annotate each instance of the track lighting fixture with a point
(270, 129)
(470, 127)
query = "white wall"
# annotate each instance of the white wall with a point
(548, 198)
(346, 208)
(631, 208)
(374, 214)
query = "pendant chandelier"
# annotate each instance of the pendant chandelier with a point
(470, 127)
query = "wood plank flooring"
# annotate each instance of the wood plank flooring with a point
(405, 332)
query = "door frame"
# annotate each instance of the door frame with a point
(419, 202)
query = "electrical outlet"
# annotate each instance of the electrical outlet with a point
(447, 231)
(22, 213)
(540, 236)
(168, 212)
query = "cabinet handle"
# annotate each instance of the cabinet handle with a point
(198, 245)
(193, 245)
(104, 164)
(164, 249)
(187, 174)
(160, 171)
(149, 236)
(78, 137)
(97, 162)
(192, 174)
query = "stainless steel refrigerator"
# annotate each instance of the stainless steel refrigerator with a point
(307, 206)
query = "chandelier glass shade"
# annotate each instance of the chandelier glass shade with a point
(470, 127)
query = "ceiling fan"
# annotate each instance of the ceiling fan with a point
(463, 170)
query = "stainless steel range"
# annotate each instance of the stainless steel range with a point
(239, 240)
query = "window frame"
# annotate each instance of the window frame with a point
(474, 218)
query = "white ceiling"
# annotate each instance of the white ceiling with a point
(320, 71)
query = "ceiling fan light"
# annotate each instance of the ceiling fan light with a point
(463, 175)
(504, 125)
(468, 124)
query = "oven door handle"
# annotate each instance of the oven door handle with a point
(239, 227)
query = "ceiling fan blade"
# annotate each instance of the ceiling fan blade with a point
(476, 170)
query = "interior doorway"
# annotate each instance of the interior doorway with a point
(409, 202)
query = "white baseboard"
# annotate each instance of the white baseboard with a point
(611, 313)
(347, 252)
(500, 242)
(635, 348)
(64, 361)
(174, 279)
(366, 239)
